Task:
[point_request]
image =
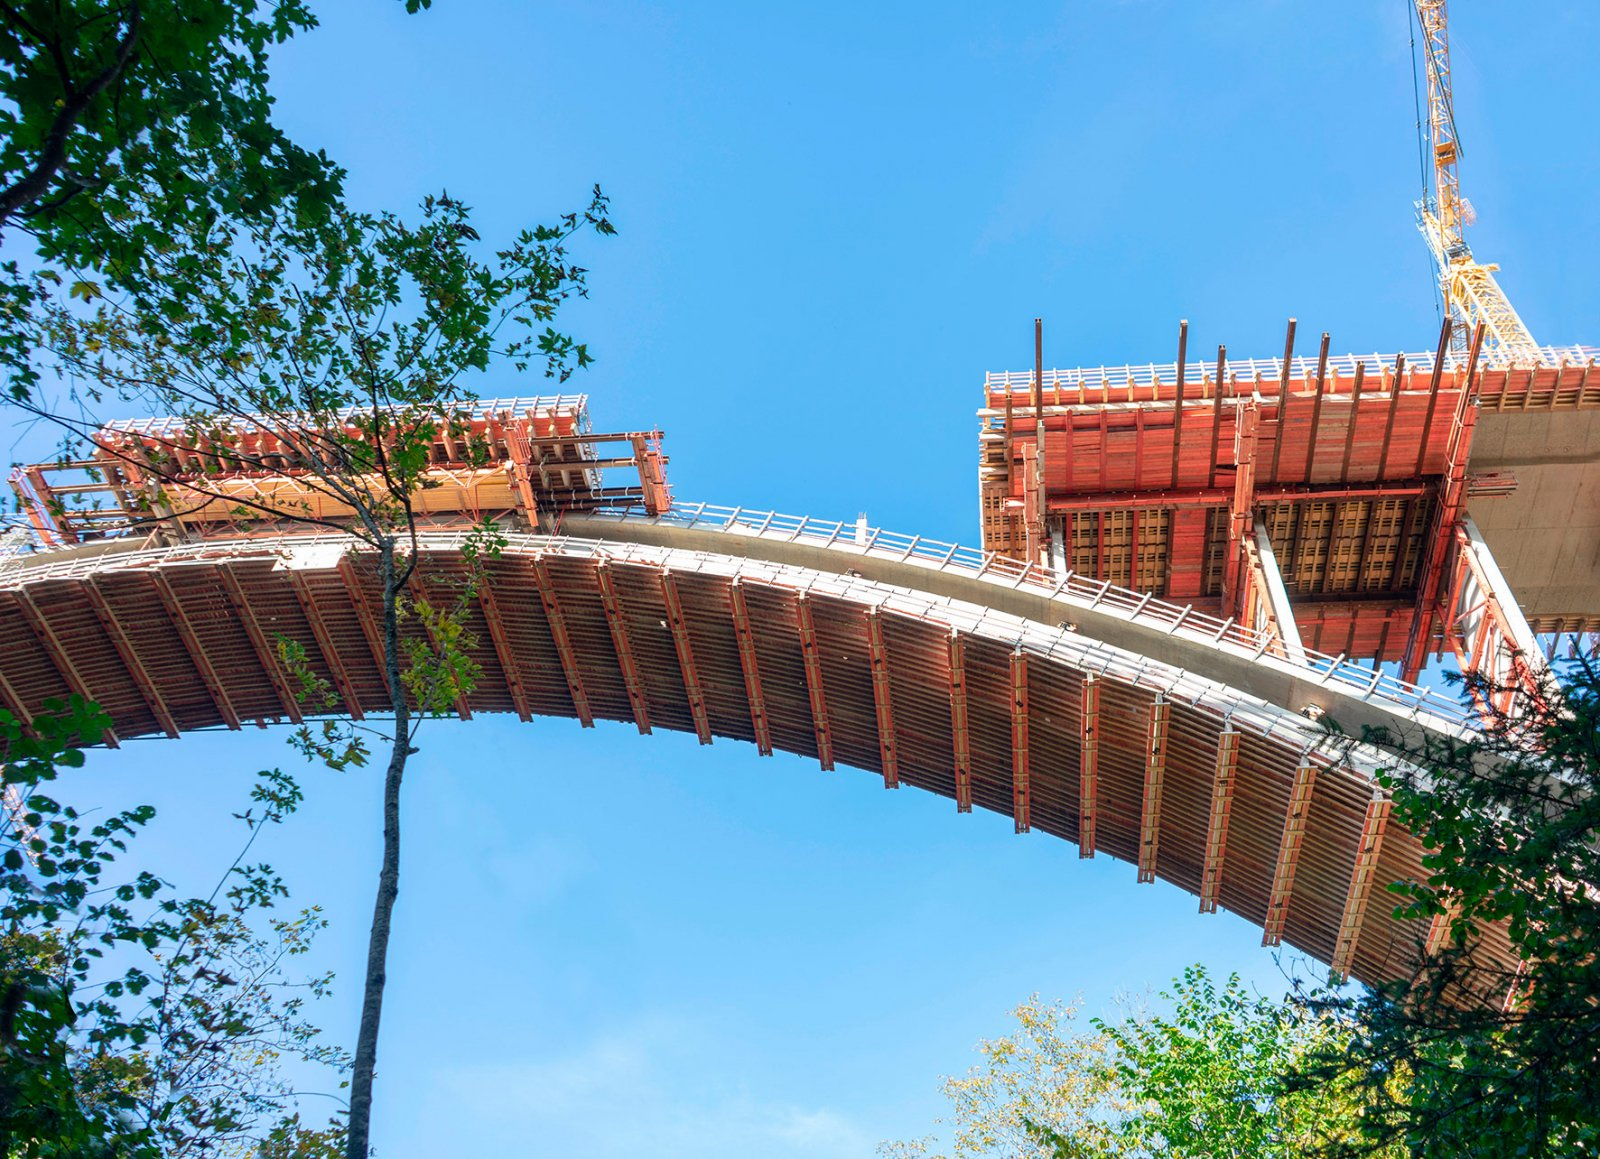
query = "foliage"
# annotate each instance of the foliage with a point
(134, 1022)
(348, 340)
(1497, 1031)
(1044, 1073)
(126, 128)
(1210, 1079)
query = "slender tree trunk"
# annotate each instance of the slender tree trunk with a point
(358, 1146)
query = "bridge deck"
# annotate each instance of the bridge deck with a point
(820, 645)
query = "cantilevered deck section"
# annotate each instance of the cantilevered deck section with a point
(519, 459)
(1331, 491)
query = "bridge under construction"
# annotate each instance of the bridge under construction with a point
(1185, 572)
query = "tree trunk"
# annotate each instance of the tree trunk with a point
(358, 1146)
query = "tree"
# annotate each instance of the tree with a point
(133, 1022)
(1213, 1078)
(126, 127)
(1044, 1076)
(1496, 1032)
(348, 339)
(1209, 1079)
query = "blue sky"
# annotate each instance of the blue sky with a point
(834, 218)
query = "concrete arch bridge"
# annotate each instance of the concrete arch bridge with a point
(1184, 744)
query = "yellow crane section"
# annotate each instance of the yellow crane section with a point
(1471, 294)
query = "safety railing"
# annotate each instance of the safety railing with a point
(1185, 622)
(176, 425)
(1248, 369)
(1350, 677)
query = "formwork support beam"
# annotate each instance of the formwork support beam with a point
(1217, 824)
(686, 661)
(882, 700)
(147, 687)
(813, 666)
(749, 667)
(960, 731)
(622, 643)
(48, 640)
(562, 638)
(1487, 631)
(1155, 765)
(266, 654)
(1021, 786)
(179, 620)
(1294, 831)
(1089, 765)
(330, 654)
(1193, 497)
(503, 651)
(1241, 510)
(1361, 880)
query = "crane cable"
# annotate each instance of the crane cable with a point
(1422, 154)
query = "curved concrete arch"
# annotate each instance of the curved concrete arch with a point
(1133, 729)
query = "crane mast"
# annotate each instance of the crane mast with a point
(1471, 293)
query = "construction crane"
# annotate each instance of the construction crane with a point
(1471, 294)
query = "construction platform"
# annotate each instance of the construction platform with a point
(1333, 486)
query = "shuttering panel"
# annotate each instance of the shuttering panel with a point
(782, 668)
(920, 689)
(1124, 742)
(1056, 697)
(1261, 791)
(1188, 778)
(577, 593)
(988, 668)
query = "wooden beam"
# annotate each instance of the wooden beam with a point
(1433, 394)
(1241, 511)
(1216, 414)
(1294, 831)
(266, 654)
(623, 644)
(814, 690)
(685, 649)
(330, 654)
(1021, 789)
(563, 642)
(748, 665)
(960, 732)
(503, 651)
(51, 643)
(1089, 765)
(357, 594)
(191, 645)
(882, 700)
(1283, 400)
(1361, 878)
(1355, 418)
(130, 657)
(1394, 409)
(1177, 405)
(1316, 407)
(1217, 824)
(1154, 771)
